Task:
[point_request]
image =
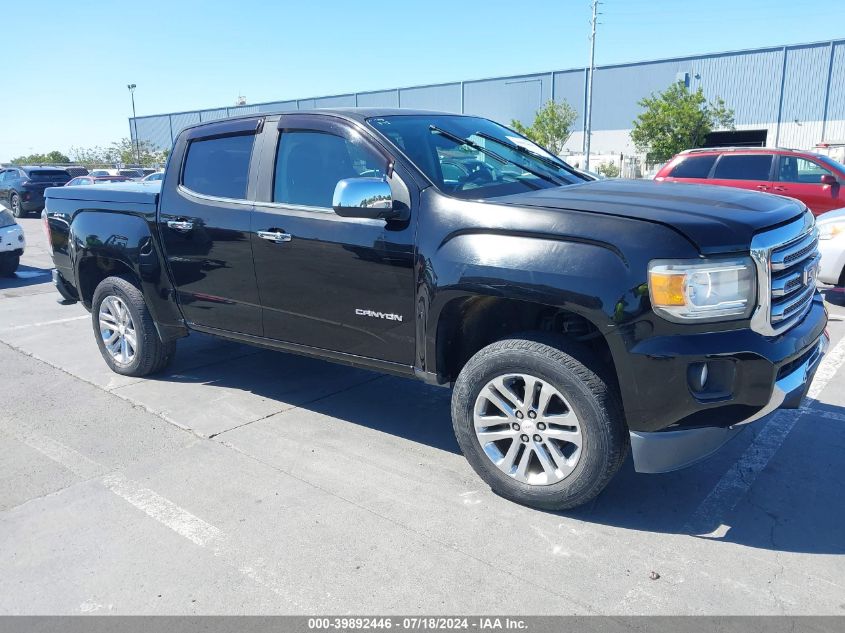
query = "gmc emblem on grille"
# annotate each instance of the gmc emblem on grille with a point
(808, 277)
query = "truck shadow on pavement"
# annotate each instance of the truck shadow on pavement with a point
(794, 505)
(25, 276)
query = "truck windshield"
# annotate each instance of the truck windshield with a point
(471, 157)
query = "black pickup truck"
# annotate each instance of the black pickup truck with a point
(574, 319)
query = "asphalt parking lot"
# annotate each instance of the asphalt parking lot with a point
(246, 481)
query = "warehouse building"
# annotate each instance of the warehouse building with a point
(788, 96)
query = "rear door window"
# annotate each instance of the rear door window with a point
(693, 167)
(219, 166)
(48, 175)
(743, 167)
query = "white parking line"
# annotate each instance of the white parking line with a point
(54, 322)
(736, 482)
(169, 514)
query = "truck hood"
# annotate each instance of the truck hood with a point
(716, 219)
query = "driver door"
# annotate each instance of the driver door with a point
(326, 281)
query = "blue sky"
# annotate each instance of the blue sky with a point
(66, 71)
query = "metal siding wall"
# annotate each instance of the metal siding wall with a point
(380, 99)
(748, 82)
(241, 110)
(277, 106)
(154, 129)
(569, 87)
(835, 130)
(445, 97)
(805, 81)
(507, 98)
(180, 121)
(213, 115)
(306, 104)
(341, 101)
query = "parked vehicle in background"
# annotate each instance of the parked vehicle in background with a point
(133, 174)
(831, 227)
(12, 243)
(96, 180)
(575, 318)
(814, 179)
(22, 188)
(154, 177)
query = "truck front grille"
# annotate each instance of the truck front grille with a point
(787, 260)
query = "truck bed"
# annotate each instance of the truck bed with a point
(119, 192)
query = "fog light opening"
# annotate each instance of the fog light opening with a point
(697, 375)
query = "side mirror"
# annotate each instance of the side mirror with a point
(363, 197)
(828, 179)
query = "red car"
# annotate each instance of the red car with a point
(814, 179)
(96, 180)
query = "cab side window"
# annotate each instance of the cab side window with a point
(310, 163)
(801, 170)
(219, 166)
(693, 167)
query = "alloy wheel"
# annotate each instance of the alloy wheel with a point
(118, 330)
(528, 429)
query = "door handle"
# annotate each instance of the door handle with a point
(780, 188)
(274, 236)
(183, 226)
(763, 187)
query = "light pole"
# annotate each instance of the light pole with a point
(131, 88)
(588, 130)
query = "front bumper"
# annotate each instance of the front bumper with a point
(665, 451)
(12, 239)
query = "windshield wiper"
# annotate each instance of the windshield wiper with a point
(551, 162)
(495, 156)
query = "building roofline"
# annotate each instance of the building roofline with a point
(579, 69)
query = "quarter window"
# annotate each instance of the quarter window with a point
(693, 167)
(219, 166)
(310, 163)
(794, 169)
(743, 167)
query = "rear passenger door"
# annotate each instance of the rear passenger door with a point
(204, 222)
(744, 171)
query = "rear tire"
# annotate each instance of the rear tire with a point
(15, 203)
(125, 331)
(555, 448)
(9, 264)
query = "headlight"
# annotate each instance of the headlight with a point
(702, 290)
(829, 230)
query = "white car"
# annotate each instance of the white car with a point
(12, 243)
(831, 226)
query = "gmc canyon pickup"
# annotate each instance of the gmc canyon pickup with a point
(574, 319)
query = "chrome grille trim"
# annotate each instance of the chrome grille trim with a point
(781, 257)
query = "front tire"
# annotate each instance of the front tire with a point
(15, 203)
(538, 423)
(125, 331)
(9, 264)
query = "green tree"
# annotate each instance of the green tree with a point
(609, 170)
(552, 126)
(677, 119)
(35, 159)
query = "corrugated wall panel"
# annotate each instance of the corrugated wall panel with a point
(569, 87)
(749, 83)
(154, 129)
(445, 97)
(380, 99)
(305, 104)
(213, 115)
(241, 110)
(805, 83)
(835, 129)
(340, 101)
(277, 106)
(180, 121)
(508, 98)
